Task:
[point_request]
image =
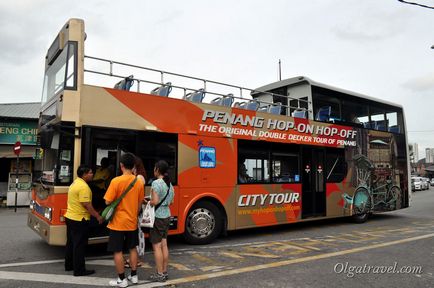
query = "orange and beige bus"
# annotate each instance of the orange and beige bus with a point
(291, 151)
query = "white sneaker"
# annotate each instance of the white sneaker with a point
(119, 283)
(133, 279)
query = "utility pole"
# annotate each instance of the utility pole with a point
(280, 71)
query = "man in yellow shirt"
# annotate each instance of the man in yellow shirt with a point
(123, 226)
(77, 221)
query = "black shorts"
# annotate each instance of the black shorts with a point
(160, 230)
(118, 240)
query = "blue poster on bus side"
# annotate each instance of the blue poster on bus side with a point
(207, 157)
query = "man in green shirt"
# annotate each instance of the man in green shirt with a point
(77, 221)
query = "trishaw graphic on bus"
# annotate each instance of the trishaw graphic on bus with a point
(371, 194)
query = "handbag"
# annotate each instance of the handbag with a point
(109, 211)
(147, 218)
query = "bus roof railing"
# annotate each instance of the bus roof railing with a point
(185, 89)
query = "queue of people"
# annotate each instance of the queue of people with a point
(123, 228)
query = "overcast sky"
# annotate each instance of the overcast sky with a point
(377, 48)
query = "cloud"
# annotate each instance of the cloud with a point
(420, 84)
(26, 28)
(18, 41)
(365, 25)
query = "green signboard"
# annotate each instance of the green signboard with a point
(15, 130)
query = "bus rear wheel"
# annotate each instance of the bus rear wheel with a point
(203, 224)
(362, 205)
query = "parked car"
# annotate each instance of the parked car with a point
(425, 182)
(417, 182)
(432, 182)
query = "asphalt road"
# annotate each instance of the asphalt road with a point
(390, 250)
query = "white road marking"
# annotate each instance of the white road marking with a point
(102, 262)
(54, 278)
(67, 279)
(30, 263)
(96, 281)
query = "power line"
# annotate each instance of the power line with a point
(417, 4)
(421, 131)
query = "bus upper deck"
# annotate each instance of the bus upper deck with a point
(300, 97)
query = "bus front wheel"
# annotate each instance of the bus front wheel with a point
(203, 224)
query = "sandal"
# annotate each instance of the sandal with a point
(127, 263)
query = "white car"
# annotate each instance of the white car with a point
(417, 181)
(432, 182)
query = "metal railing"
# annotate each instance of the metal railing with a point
(185, 89)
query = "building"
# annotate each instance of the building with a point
(416, 152)
(18, 122)
(429, 155)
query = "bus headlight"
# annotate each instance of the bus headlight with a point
(48, 213)
(32, 205)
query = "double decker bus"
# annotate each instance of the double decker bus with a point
(291, 151)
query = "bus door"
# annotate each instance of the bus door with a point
(313, 190)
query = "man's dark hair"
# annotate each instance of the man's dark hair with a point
(105, 162)
(128, 159)
(83, 169)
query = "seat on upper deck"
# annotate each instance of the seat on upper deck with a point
(323, 114)
(164, 90)
(125, 84)
(275, 108)
(252, 105)
(381, 125)
(299, 113)
(226, 100)
(196, 96)
(394, 129)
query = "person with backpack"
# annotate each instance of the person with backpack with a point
(123, 225)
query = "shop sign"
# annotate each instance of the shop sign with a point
(18, 131)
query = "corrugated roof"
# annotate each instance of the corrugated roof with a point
(20, 110)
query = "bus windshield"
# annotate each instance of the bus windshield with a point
(60, 74)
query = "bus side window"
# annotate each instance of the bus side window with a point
(253, 162)
(285, 168)
(257, 170)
